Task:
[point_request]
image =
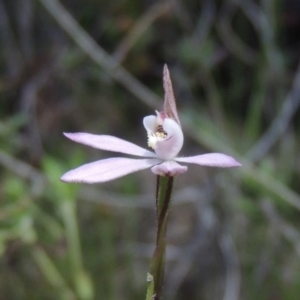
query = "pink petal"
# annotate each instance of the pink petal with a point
(108, 143)
(169, 147)
(211, 160)
(168, 168)
(150, 123)
(107, 169)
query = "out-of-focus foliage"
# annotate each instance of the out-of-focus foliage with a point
(234, 234)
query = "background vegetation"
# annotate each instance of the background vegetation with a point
(96, 66)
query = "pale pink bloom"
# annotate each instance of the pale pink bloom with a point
(165, 137)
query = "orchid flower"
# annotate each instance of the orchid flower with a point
(165, 137)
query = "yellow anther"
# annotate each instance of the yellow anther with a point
(153, 138)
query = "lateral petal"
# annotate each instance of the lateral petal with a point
(107, 169)
(109, 143)
(211, 160)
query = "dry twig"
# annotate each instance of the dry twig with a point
(139, 28)
(98, 55)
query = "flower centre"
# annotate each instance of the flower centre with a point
(154, 137)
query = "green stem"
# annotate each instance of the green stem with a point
(163, 197)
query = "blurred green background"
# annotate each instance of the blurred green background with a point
(96, 66)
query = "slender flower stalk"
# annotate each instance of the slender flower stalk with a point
(166, 138)
(163, 199)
